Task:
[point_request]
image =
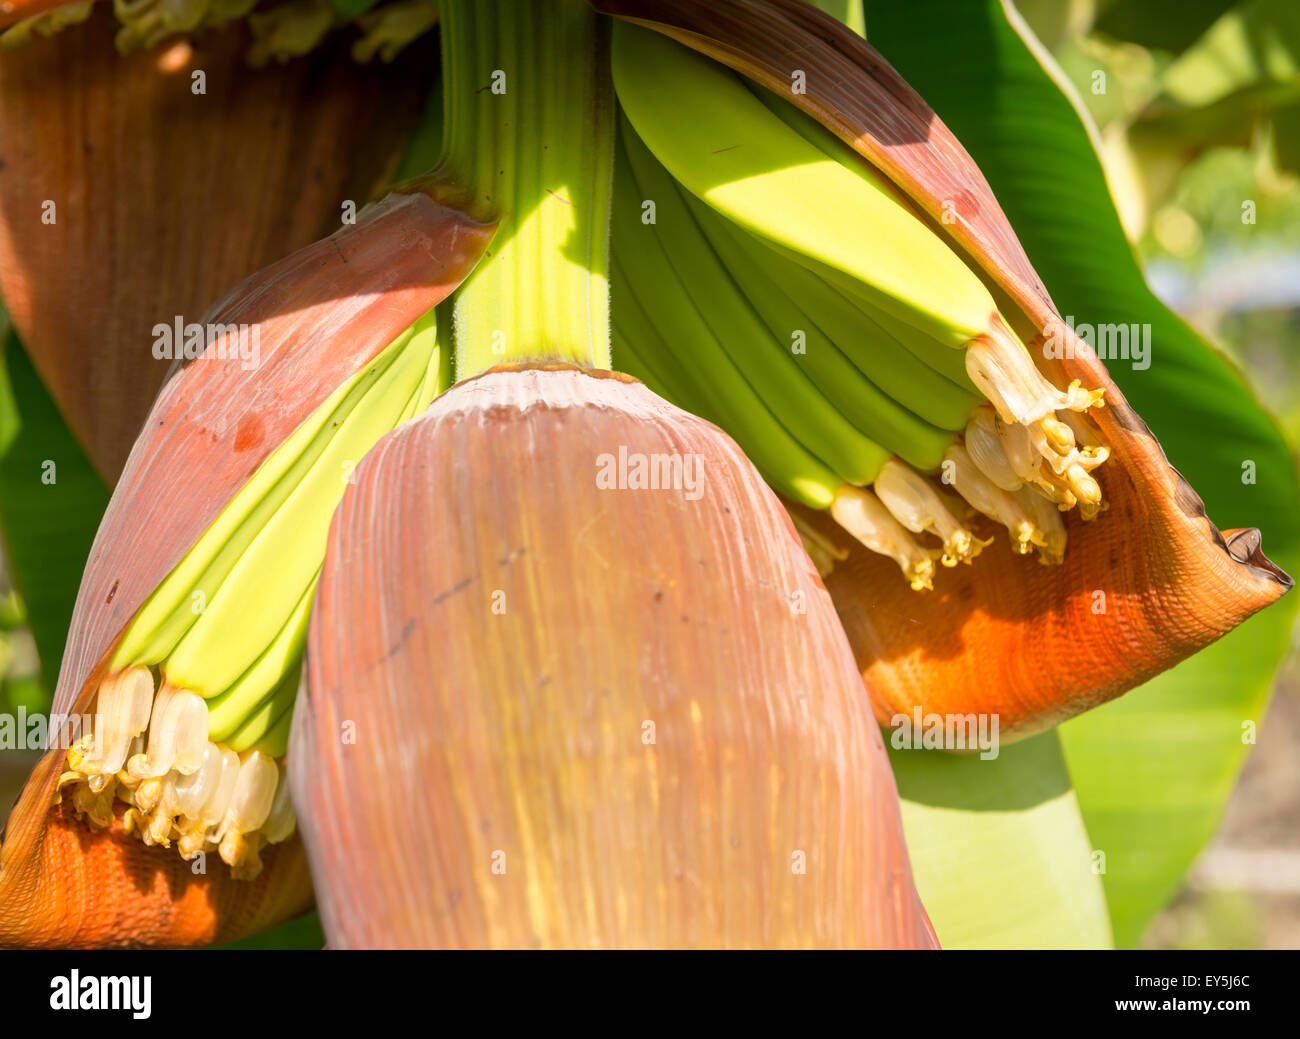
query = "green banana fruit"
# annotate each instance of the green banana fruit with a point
(684, 360)
(726, 147)
(260, 591)
(794, 227)
(677, 339)
(173, 608)
(266, 726)
(229, 710)
(766, 363)
(949, 363)
(926, 377)
(871, 402)
(639, 349)
(229, 621)
(924, 347)
(737, 325)
(637, 352)
(194, 760)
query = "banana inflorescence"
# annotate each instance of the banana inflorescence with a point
(192, 722)
(764, 278)
(770, 280)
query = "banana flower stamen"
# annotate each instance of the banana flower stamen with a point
(1091, 450)
(912, 501)
(1005, 373)
(1050, 536)
(861, 513)
(962, 474)
(1057, 435)
(152, 753)
(1027, 406)
(985, 447)
(125, 703)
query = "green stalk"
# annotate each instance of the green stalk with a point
(529, 129)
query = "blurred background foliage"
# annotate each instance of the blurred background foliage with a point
(1197, 108)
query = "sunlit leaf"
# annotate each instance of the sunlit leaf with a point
(998, 848)
(1153, 769)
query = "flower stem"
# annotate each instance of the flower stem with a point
(530, 128)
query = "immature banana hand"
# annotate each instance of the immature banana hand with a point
(765, 362)
(224, 634)
(681, 358)
(835, 300)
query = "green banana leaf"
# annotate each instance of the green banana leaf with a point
(51, 502)
(998, 848)
(1254, 45)
(1286, 136)
(1152, 770)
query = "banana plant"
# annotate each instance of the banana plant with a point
(569, 523)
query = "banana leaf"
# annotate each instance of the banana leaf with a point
(1254, 45)
(51, 501)
(1152, 770)
(999, 850)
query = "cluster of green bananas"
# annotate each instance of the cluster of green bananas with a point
(224, 633)
(767, 279)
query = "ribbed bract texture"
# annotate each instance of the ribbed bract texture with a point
(541, 712)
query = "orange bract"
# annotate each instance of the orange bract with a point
(1006, 637)
(64, 885)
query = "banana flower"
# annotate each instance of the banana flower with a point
(552, 695)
